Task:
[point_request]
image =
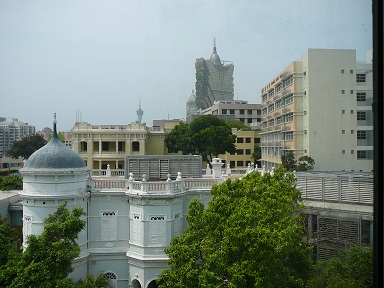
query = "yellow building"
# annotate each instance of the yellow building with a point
(245, 145)
(102, 145)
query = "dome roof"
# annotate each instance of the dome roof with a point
(192, 98)
(215, 59)
(54, 155)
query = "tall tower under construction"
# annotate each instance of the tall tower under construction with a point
(214, 80)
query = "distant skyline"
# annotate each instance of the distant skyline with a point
(103, 57)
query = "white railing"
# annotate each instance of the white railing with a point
(103, 172)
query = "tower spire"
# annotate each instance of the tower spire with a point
(139, 112)
(214, 44)
(54, 126)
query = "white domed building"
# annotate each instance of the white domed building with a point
(129, 223)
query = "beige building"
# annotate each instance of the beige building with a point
(320, 105)
(100, 145)
(249, 114)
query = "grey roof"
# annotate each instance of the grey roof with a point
(54, 155)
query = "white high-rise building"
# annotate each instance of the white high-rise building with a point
(11, 130)
(320, 106)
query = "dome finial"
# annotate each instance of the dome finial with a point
(214, 44)
(54, 126)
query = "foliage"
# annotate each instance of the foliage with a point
(8, 172)
(26, 146)
(352, 268)
(238, 125)
(95, 282)
(46, 262)
(60, 135)
(305, 163)
(256, 156)
(206, 135)
(11, 183)
(288, 161)
(250, 235)
(9, 239)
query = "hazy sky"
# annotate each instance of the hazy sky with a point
(101, 57)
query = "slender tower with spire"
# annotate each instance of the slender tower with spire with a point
(139, 112)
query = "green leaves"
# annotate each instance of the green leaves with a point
(206, 135)
(250, 235)
(26, 146)
(47, 260)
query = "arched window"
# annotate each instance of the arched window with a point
(136, 283)
(152, 284)
(112, 279)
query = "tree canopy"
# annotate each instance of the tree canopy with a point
(46, 262)
(238, 125)
(206, 135)
(26, 146)
(304, 163)
(250, 235)
(352, 268)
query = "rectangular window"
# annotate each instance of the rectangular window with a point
(240, 152)
(351, 111)
(361, 154)
(157, 230)
(342, 151)
(280, 120)
(223, 111)
(242, 111)
(342, 91)
(278, 88)
(105, 146)
(240, 163)
(247, 151)
(83, 146)
(288, 82)
(361, 134)
(288, 135)
(361, 96)
(249, 111)
(240, 140)
(265, 111)
(279, 104)
(288, 100)
(271, 108)
(135, 146)
(352, 151)
(264, 97)
(352, 131)
(121, 146)
(271, 93)
(342, 131)
(360, 77)
(232, 164)
(108, 225)
(289, 117)
(249, 120)
(350, 71)
(256, 140)
(342, 111)
(351, 91)
(247, 140)
(361, 115)
(342, 71)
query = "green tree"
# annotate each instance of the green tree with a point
(288, 161)
(352, 268)
(11, 183)
(256, 156)
(46, 262)
(26, 146)
(250, 235)
(305, 163)
(95, 282)
(60, 135)
(206, 135)
(238, 125)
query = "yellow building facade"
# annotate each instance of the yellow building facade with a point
(103, 145)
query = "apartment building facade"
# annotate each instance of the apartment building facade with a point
(11, 130)
(319, 106)
(249, 114)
